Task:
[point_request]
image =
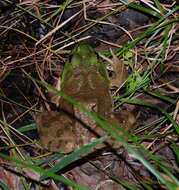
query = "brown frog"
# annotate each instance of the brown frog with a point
(85, 79)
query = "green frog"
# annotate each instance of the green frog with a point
(85, 79)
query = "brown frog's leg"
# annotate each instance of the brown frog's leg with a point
(100, 89)
(104, 104)
(104, 108)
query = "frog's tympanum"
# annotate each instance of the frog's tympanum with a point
(85, 79)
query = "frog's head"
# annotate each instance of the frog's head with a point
(84, 54)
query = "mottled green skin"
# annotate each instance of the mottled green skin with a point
(85, 78)
(84, 56)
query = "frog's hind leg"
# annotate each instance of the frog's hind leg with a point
(105, 105)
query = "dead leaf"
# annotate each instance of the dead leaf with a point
(120, 73)
(8, 178)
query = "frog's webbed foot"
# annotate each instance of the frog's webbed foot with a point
(126, 119)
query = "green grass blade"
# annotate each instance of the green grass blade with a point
(159, 6)
(40, 170)
(27, 128)
(175, 148)
(77, 154)
(142, 103)
(3, 186)
(144, 10)
(157, 94)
